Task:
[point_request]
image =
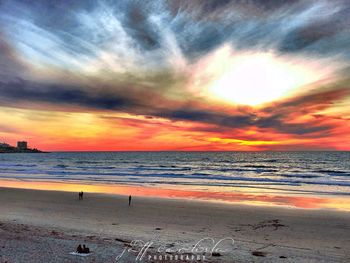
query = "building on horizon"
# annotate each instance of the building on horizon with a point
(4, 145)
(22, 145)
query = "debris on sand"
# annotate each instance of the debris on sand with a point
(259, 254)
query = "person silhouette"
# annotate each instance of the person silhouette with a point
(79, 249)
(129, 200)
(81, 195)
(86, 250)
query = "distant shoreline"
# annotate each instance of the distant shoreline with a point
(25, 151)
(16, 150)
(21, 148)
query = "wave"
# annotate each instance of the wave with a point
(63, 166)
(192, 176)
(87, 162)
(334, 172)
(210, 180)
(97, 167)
(290, 170)
(306, 176)
(162, 168)
(25, 165)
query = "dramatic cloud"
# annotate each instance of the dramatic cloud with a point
(216, 73)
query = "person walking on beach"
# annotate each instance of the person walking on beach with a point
(129, 200)
(81, 195)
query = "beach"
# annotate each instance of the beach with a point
(45, 226)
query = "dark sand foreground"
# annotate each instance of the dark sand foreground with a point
(45, 226)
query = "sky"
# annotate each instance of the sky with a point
(245, 75)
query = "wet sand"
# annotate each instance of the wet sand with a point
(44, 226)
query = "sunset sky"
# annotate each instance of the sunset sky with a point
(175, 75)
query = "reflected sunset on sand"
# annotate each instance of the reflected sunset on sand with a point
(268, 199)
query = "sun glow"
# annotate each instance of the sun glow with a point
(253, 78)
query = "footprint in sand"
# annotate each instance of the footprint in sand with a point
(269, 223)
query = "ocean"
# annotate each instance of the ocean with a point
(311, 173)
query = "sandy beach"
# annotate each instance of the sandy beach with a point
(45, 226)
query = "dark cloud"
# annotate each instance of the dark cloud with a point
(281, 116)
(310, 34)
(199, 26)
(203, 9)
(289, 26)
(281, 124)
(212, 5)
(139, 27)
(312, 101)
(272, 5)
(9, 65)
(21, 90)
(300, 39)
(197, 41)
(275, 121)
